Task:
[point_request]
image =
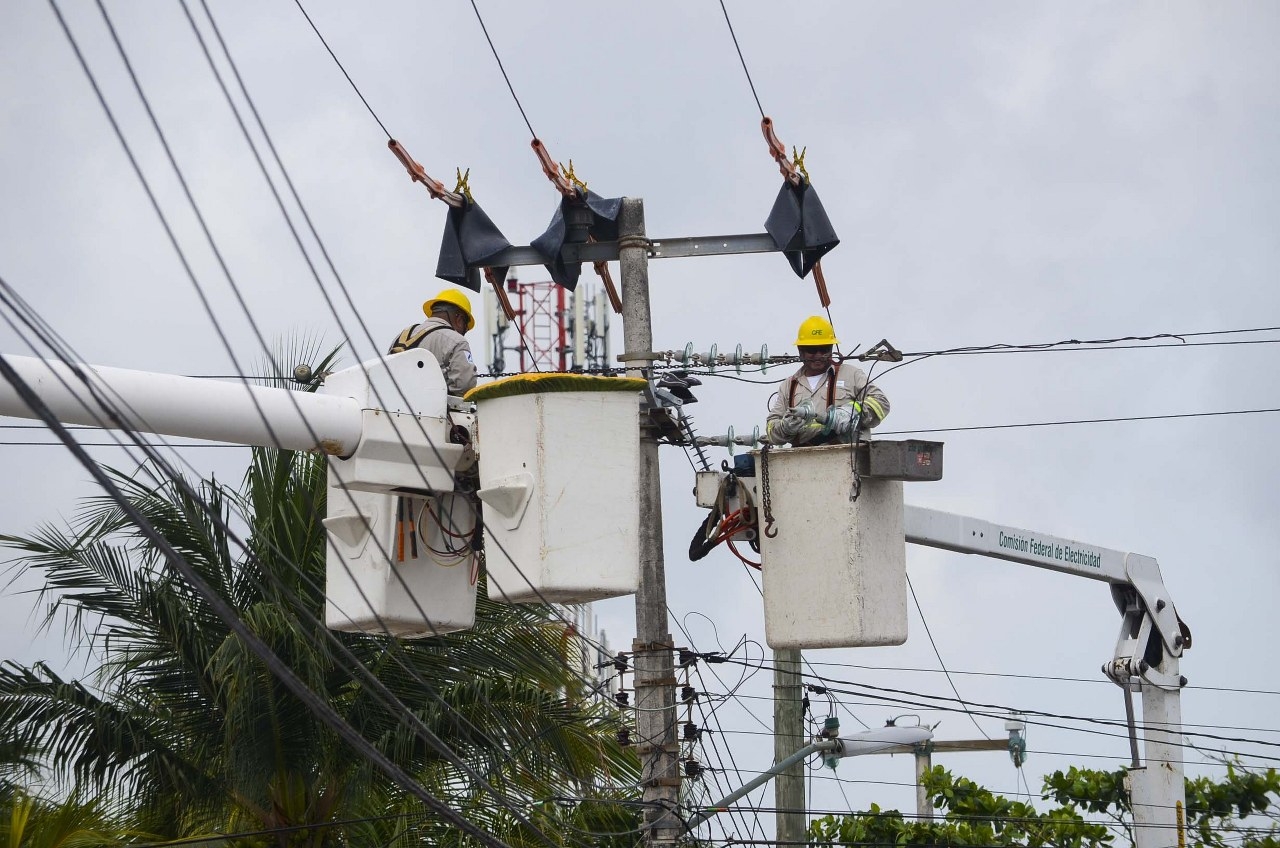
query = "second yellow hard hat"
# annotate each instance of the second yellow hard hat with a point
(455, 298)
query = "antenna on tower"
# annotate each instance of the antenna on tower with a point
(560, 334)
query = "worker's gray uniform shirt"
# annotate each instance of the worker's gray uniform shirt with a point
(450, 349)
(851, 385)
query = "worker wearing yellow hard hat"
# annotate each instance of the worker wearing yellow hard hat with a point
(442, 335)
(823, 402)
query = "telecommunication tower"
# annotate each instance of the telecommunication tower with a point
(561, 331)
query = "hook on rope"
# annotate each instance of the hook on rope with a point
(463, 187)
(572, 177)
(797, 161)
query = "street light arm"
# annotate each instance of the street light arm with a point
(764, 777)
(867, 742)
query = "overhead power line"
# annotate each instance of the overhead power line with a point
(1082, 421)
(741, 58)
(502, 68)
(338, 62)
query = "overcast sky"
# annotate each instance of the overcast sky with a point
(998, 172)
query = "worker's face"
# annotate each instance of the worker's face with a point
(815, 359)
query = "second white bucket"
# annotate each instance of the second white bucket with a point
(559, 467)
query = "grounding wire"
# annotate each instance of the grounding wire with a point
(388, 698)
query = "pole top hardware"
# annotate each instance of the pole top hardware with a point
(566, 183)
(778, 151)
(433, 186)
(882, 351)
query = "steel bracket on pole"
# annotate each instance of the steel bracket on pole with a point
(607, 251)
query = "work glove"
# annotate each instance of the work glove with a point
(789, 426)
(843, 420)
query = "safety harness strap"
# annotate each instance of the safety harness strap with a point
(409, 339)
(831, 388)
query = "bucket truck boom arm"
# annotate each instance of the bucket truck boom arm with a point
(1152, 638)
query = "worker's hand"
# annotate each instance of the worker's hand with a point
(789, 426)
(808, 433)
(843, 420)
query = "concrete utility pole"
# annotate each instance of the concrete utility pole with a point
(924, 763)
(791, 818)
(654, 665)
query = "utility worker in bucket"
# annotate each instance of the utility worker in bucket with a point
(822, 404)
(441, 335)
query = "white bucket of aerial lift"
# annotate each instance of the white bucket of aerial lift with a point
(404, 443)
(558, 478)
(835, 575)
(374, 582)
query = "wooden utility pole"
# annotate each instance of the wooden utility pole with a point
(791, 819)
(654, 665)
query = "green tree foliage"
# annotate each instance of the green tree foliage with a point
(182, 731)
(970, 815)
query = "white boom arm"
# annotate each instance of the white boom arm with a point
(387, 418)
(1152, 638)
(190, 407)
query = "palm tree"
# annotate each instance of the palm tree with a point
(183, 731)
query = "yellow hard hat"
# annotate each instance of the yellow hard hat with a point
(816, 331)
(454, 298)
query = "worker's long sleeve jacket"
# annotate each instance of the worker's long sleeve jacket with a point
(449, 348)
(850, 385)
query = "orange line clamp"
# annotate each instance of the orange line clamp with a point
(416, 173)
